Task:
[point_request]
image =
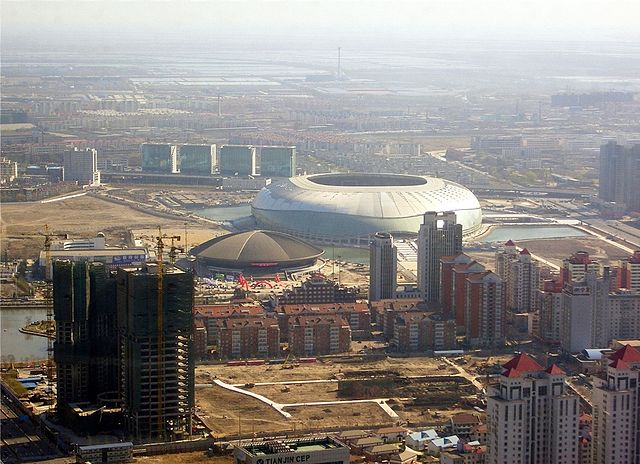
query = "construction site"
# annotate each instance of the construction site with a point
(333, 394)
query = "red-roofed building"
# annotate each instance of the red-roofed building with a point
(357, 314)
(416, 331)
(615, 409)
(248, 337)
(214, 315)
(504, 256)
(320, 334)
(532, 415)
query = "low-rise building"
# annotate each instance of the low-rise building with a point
(319, 335)
(463, 424)
(214, 315)
(357, 314)
(418, 440)
(416, 331)
(318, 289)
(465, 453)
(315, 450)
(257, 337)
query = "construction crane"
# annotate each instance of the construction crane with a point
(160, 238)
(48, 294)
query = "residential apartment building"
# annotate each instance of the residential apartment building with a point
(419, 331)
(550, 307)
(317, 289)
(357, 314)
(532, 418)
(383, 267)
(214, 315)
(439, 236)
(485, 310)
(319, 335)
(577, 266)
(503, 258)
(523, 281)
(242, 338)
(616, 396)
(629, 274)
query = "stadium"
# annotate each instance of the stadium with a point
(345, 209)
(257, 252)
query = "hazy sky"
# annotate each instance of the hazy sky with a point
(326, 20)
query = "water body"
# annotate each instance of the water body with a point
(504, 233)
(225, 213)
(16, 346)
(350, 255)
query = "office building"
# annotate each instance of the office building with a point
(616, 396)
(86, 345)
(310, 450)
(160, 158)
(532, 418)
(237, 160)
(523, 280)
(619, 174)
(156, 363)
(278, 161)
(318, 335)
(439, 236)
(197, 160)
(383, 267)
(485, 305)
(81, 166)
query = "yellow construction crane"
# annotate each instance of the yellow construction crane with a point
(160, 317)
(48, 294)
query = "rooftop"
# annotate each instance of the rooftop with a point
(303, 445)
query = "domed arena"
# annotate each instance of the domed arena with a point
(345, 209)
(257, 252)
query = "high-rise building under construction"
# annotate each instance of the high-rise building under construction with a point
(157, 371)
(86, 346)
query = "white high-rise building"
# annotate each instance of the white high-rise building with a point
(504, 256)
(439, 236)
(577, 266)
(532, 418)
(523, 281)
(82, 166)
(383, 267)
(616, 399)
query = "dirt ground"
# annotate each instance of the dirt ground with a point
(79, 217)
(195, 457)
(557, 249)
(220, 408)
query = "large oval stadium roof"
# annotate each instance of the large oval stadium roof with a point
(257, 246)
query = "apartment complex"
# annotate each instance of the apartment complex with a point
(318, 289)
(439, 235)
(356, 314)
(523, 281)
(419, 331)
(532, 418)
(383, 267)
(485, 305)
(317, 335)
(616, 426)
(248, 337)
(453, 292)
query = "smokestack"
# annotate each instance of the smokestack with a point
(339, 71)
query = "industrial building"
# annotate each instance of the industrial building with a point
(347, 209)
(157, 367)
(278, 161)
(197, 160)
(160, 158)
(237, 160)
(310, 450)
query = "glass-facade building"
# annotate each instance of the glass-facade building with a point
(197, 160)
(278, 161)
(237, 160)
(159, 158)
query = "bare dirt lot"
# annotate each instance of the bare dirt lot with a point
(555, 250)
(196, 457)
(80, 217)
(413, 386)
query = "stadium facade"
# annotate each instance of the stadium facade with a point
(347, 209)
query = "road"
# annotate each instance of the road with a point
(463, 373)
